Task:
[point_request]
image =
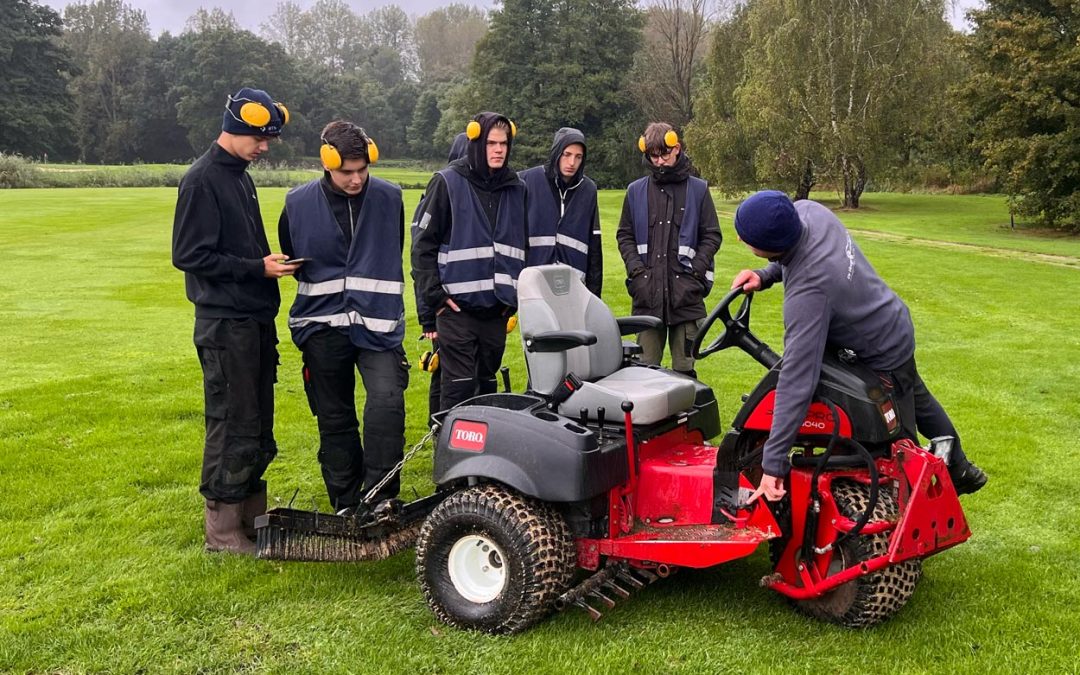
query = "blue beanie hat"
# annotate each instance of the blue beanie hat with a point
(251, 112)
(767, 220)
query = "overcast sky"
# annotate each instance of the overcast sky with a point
(170, 15)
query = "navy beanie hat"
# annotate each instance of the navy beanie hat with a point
(251, 112)
(767, 220)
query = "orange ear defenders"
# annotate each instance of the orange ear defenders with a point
(256, 114)
(429, 361)
(671, 139)
(472, 130)
(331, 158)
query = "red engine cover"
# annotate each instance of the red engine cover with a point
(818, 418)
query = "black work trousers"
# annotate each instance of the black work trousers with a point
(239, 360)
(920, 412)
(351, 468)
(471, 353)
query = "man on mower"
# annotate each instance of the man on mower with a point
(832, 295)
(349, 313)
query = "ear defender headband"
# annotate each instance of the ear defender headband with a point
(331, 158)
(255, 114)
(671, 139)
(472, 130)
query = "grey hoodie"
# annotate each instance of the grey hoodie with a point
(831, 295)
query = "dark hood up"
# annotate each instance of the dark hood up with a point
(458, 147)
(564, 138)
(477, 149)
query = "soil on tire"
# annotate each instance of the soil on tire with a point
(539, 557)
(872, 598)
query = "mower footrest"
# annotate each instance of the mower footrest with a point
(696, 546)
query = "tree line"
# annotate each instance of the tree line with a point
(838, 94)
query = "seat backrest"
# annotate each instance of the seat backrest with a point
(553, 298)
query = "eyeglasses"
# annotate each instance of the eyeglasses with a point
(662, 155)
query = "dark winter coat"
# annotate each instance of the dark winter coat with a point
(662, 286)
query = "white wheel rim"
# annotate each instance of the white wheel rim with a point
(477, 568)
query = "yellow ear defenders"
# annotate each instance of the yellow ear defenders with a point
(331, 158)
(511, 324)
(671, 139)
(429, 361)
(256, 114)
(472, 130)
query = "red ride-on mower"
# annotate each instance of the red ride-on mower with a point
(545, 500)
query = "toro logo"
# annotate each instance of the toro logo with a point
(469, 436)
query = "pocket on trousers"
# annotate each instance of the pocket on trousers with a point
(309, 390)
(215, 386)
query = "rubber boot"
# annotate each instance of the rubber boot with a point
(254, 505)
(225, 528)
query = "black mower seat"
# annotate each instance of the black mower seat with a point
(552, 299)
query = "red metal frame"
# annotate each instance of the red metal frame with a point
(930, 521)
(663, 514)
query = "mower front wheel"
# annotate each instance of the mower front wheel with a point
(872, 598)
(491, 560)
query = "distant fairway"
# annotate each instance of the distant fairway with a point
(101, 561)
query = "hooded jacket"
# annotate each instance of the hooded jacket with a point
(434, 227)
(564, 219)
(662, 285)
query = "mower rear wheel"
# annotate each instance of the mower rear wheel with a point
(491, 560)
(872, 598)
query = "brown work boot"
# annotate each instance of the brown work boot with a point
(225, 528)
(254, 505)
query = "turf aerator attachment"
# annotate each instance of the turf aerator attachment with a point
(310, 536)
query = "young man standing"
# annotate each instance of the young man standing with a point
(832, 295)
(349, 313)
(231, 277)
(425, 314)
(564, 219)
(668, 236)
(466, 255)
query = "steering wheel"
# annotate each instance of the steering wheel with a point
(736, 328)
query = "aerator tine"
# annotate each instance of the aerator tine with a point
(593, 613)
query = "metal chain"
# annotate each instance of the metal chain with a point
(369, 497)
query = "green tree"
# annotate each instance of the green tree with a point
(722, 150)
(37, 117)
(1025, 97)
(110, 39)
(425, 121)
(159, 136)
(567, 63)
(214, 63)
(831, 85)
(446, 41)
(670, 62)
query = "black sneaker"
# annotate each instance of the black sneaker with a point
(968, 479)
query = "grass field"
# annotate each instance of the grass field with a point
(101, 561)
(408, 174)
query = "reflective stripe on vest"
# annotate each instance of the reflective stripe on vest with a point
(555, 238)
(358, 288)
(480, 264)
